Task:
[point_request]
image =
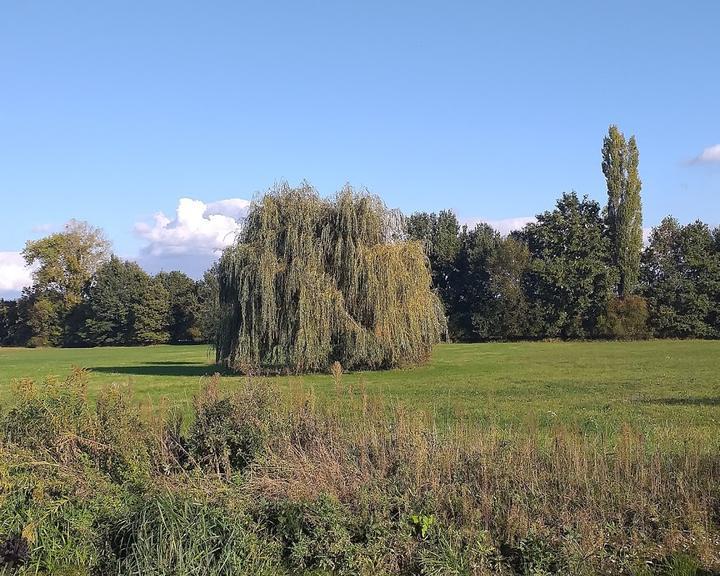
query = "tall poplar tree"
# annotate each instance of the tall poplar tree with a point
(624, 209)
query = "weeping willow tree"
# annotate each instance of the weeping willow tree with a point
(312, 281)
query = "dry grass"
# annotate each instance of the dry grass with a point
(302, 486)
(583, 496)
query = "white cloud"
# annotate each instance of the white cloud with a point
(197, 229)
(710, 155)
(233, 207)
(14, 273)
(504, 226)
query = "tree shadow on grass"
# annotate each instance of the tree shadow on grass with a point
(685, 401)
(174, 363)
(191, 369)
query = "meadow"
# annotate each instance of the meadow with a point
(528, 459)
(666, 389)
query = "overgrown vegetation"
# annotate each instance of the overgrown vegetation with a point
(253, 486)
(313, 281)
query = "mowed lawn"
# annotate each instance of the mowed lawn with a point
(667, 390)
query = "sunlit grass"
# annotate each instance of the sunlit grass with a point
(667, 390)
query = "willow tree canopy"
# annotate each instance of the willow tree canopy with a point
(312, 281)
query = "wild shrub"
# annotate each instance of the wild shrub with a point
(450, 552)
(230, 431)
(53, 416)
(61, 513)
(57, 418)
(625, 319)
(315, 535)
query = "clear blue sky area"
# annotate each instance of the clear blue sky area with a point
(111, 111)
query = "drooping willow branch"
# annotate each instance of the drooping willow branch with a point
(312, 281)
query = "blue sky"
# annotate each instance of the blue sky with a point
(113, 111)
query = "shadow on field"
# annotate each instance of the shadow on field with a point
(161, 369)
(686, 401)
(175, 363)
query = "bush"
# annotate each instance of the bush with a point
(229, 432)
(625, 319)
(315, 535)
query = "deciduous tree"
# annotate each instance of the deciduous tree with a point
(125, 306)
(63, 264)
(314, 281)
(208, 291)
(568, 282)
(681, 276)
(183, 324)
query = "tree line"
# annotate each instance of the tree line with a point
(579, 271)
(82, 295)
(556, 278)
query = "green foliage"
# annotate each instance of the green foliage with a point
(208, 295)
(60, 517)
(178, 534)
(184, 306)
(421, 524)
(626, 319)
(9, 322)
(508, 307)
(439, 234)
(570, 275)
(624, 208)
(469, 310)
(683, 565)
(681, 278)
(84, 296)
(44, 313)
(314, 281)
(63, 263)
(537, 557)
(51, 416)
(125, 306)
(560, 276)
(56, 417)
(230, 432)
(150, 314)
(315, 535)
(61, 468)
(568, 282)
(478, 274)
(450, 552)
(117, 287)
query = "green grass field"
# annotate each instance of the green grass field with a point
(669, 390)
